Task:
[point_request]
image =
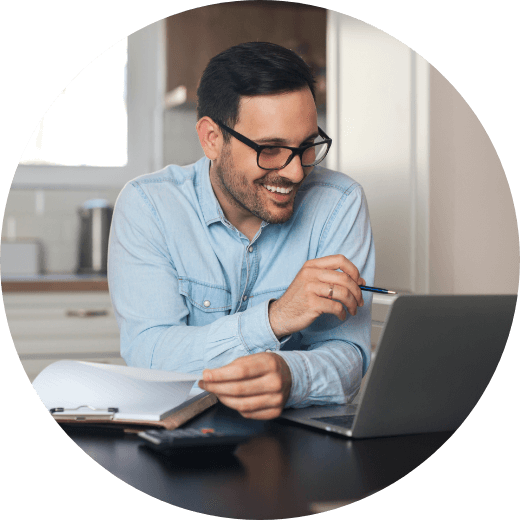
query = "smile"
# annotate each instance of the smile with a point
(274, 189)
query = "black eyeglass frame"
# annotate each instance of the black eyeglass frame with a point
(295, 151)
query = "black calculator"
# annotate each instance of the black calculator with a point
(192, 441)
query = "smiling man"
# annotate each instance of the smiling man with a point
(245, 266)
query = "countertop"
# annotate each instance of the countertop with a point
(88, 282)
(54, 282)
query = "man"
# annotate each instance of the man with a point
(246, 265)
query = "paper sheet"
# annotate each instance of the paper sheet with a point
(139, 393)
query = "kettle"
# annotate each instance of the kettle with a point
(95, 218)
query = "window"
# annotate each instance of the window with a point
(105, 128)
(88, 124)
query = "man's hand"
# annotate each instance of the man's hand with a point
(258, 385)
(307, 297)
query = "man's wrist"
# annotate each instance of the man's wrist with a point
(274, 321)
(254, 329)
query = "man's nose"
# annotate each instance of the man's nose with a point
(293, 171)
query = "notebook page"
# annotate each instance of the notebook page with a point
(139, 393)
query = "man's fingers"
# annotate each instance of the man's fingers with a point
(232, 372)
(261, 385)
(341, 297)
(334, 262)
(247, 367)
(343, 286)
(253, 404)
(257, 385)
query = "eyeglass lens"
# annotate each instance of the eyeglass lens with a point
(276, 158)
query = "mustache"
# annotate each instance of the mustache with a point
(278, 182)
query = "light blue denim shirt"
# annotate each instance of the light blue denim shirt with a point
(192, 292)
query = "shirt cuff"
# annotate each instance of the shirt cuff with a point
(300, 385)
(255, 330)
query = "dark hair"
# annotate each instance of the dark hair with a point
(249, 69)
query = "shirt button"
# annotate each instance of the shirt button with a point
(250, 249)
(207, 303)
(244, 298)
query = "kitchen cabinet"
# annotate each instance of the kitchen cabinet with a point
(49, 326)
(193, 37)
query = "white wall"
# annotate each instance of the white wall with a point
(441, 209)
(473, 228)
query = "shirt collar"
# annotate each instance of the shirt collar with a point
(209, 204)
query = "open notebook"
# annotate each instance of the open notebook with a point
(79, 391)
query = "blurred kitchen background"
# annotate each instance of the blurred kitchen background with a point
(133, 111)
(399, 128)
(442, 213)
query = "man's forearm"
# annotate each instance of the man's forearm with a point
(191, 349)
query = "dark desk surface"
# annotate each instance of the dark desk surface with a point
(280, 472)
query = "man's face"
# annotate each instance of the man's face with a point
(278, 119)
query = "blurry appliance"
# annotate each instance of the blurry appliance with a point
(95, 217)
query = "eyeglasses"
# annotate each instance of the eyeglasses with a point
(269, 157)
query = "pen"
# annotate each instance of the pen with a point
(376, 289)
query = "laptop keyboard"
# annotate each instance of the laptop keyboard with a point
(345, 421)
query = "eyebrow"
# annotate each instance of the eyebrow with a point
(281, 141)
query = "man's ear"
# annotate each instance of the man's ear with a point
(210, 137)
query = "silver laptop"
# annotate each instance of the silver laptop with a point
(434, 359)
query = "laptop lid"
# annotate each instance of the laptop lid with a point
(435, 357)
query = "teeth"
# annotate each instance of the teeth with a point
(275, 189)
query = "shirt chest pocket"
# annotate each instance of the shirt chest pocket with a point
(205, 302)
